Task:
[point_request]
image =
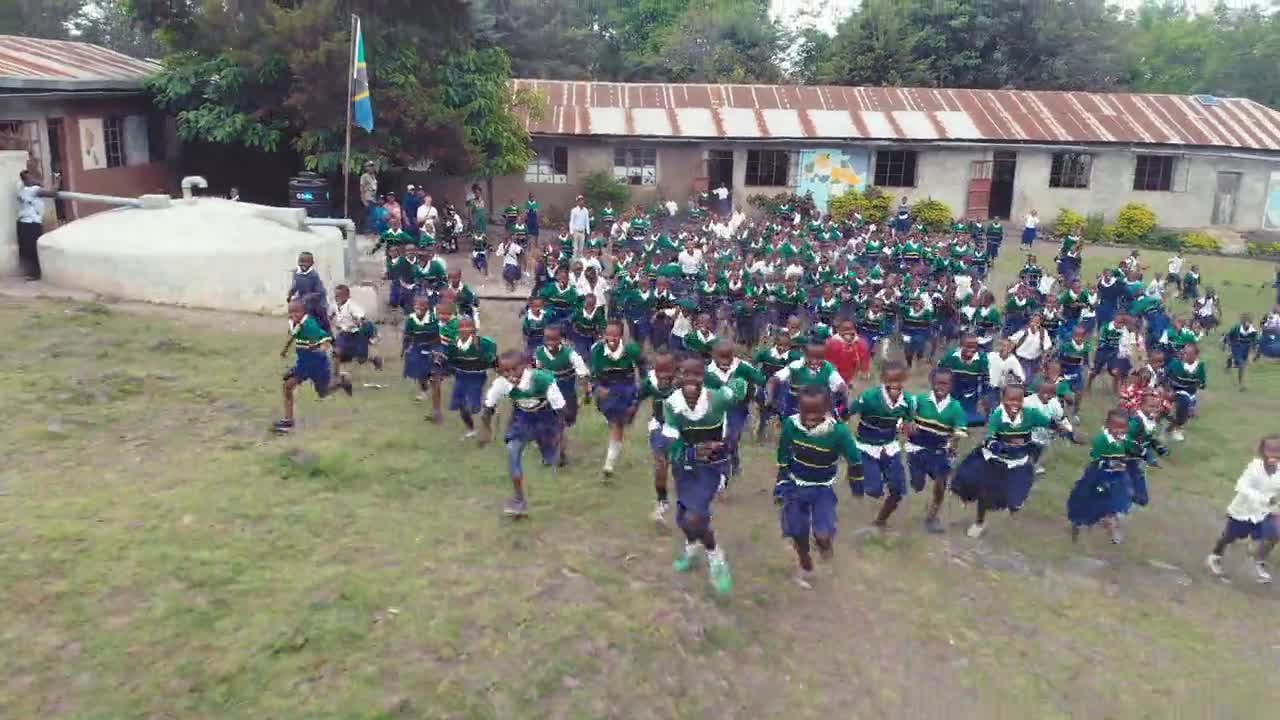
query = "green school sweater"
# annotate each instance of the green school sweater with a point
(703, 422)
(424, 328)
(592, 325)
(1013, 431)
(811, 456)
(878, 419)
(615, 366)
(652, 389)
(308, 335)
(473, 357)
(936, 421)
(716, 378)
(1186, 378)
(564, 363)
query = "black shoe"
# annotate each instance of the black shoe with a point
(282, 427)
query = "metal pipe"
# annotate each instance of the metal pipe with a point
(191, 181)
(348, 228)
(99, 199)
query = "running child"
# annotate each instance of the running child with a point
(1145, 446)
(724, 367)
(1046, 400)
(658, 385)
(694, 420)
(1186, 377)
(470, 357)
(586, 325)
(614, 365)
(536, 403)
(769, 360)
(969, 375)
(1108, 356)
(883, 412)
(810, 448)
(423, 353)
(937, 421)
(533, 325)
(1252, 512)
(354, 332)
(312, 344)
(997, 474)
(1103, 493)
(308, 288)
(1241, 339)
(567, 366)
(509, 250)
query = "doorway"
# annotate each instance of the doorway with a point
(1224, 200)
(1004, 166)
(56, 163)
(720, 170)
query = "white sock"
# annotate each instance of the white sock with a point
(691, 548)
(716, 555)
(612, 453)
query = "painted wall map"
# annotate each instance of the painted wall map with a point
(93, 152)
(826, 174)
(1271, 216)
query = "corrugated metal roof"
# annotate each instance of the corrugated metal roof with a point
(902, 114)
(35, 63)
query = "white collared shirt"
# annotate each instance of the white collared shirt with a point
(1256, 493)
(999, 368)
(501, 387)
(348, 317)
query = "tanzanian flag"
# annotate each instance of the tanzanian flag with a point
(363, 108)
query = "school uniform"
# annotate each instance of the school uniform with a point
(651, 389)
(770, 361)
(1074, 357)
(998, 473)
(567, 366)
(917, 329)
(995, 238)
(510, 253)
(1269, 343)
(1186, 379)
(808, 460)
(1030, 348)
(470, 361)
(937, 421)
(986, 324)
(968, 381)
(536, 403)
(309, 288)
(698, 342)
(423, 351)
(1144, 449)
(736, 416)
(353, 332)
(585, 328)
(615, 370)
(1104, 489)
(699, 470)
(1191, 285)
(1030, 229)
(1241, 339)
(560, 301)
(1251, 513)
(879, 418)
(312, 362)
(1002, 371)
(799, 374)
(533, 326)
(1108, 356)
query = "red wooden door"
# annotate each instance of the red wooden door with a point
(979, 200)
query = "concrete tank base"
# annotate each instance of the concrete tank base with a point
(208, 253)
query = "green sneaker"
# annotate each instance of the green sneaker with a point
(687, 559)
(721, 580)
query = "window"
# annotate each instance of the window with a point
(1153, 172)
(113, 141)
(551, 165)
(896, 168)
(768, 167)
(1070, 170)
(636, 166)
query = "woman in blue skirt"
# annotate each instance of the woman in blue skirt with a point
(1105, 491)
(614, 365)
(997, 474)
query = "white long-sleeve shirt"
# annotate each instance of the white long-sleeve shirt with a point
(1175, 265)
(347, 317)
(579, 219)
(501, 387)
(690, 262)
(1256, 493)
(1053, 410)
(999, 368)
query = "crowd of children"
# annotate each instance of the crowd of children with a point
(673, 315)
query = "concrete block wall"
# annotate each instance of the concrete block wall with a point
(12, 162)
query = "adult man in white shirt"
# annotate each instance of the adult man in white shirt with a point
(690, 259)
(590, 283)
(672, 207)
(31, 222)
(579, 225)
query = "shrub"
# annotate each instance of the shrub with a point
(1199, 240)
(599, 188)
(1095, 229)
(933, 214)
(873, 203)
(1161, 240)
(1068, 222)
(1264, 249)
(1134, 223)
(770, 203)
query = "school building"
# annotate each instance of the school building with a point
(81, 110)
(1198, 161)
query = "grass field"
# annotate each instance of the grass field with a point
(163, 557)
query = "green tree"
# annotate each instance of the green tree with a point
(38, 18)
(262, 73)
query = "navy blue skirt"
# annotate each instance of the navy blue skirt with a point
(1100, 492)
(511, 273)
(992, 483)
(618, 404)
(468, 391)
(1270, 346)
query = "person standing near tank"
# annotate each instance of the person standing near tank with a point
(31, 221)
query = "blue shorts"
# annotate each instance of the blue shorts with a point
(422, 361)
(468, 391)
(1267, 529)
(511, 273)
(659, 444)
(1184, 406)
(696, 487)
(928, 463)
(351, 346)
(809, 509)
(541, 427)
(569, 389)
(312, 366)
(1240, 353)
(879, 474)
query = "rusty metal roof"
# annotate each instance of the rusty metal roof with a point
(765, 112)
(39, 64)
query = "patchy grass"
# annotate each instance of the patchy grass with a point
(163, 557)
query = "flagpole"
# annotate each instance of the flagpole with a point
(351, 85)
